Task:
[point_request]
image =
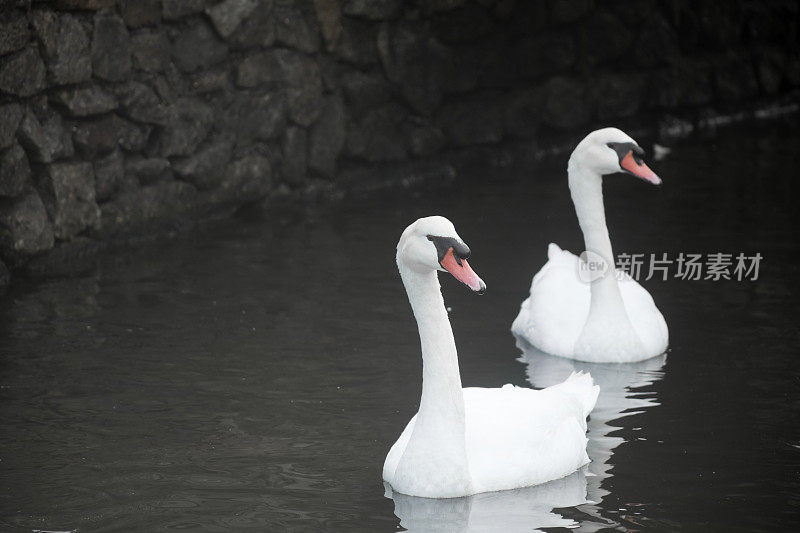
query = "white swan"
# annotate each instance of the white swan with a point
(467, 441)
(604, 321)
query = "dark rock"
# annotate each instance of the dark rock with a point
(10, 117)
(33, 139)
(228, 14)
(297, 72)
(109, 173)
(443, 5)
(522, 112)
(792, 71)
(188, 124)
(566, 103)
(132, 137)
(87, 5)
(770, 68)
(258, 29)
(147, 170)
(364, 91)
(85, 101)
(735, 79)
(329, 71)
(295, 142)
(15, 172)
(111, 50)
(98, 136)
(329, 17)
(462, 72)
(425, 140)
(416, 62)
(503, 9)
(657, 43)
(469, 22)
(256, 70)
(66, 47)
(564, 11)
(686, 84)
(139, 103)
(24, 227)
(296, 25)
(13, 30)
(138, 13)
(68, 194)
(720, 23)
(211, 80)
(327, 138)
(22, 73)
(476, 120)
(494, 64)
(379, 135)
(374, 9)
(5, 277)
(526, 18)
(257, 116)
(606, 29)
(546, 54)
(358, 43)
(150, 50)
(634, 13)
(205, 168)
(618, 95)
(247, 178)
(138, 208)
(43, 139)
(175, 9)
(57, 134)
(197, 46)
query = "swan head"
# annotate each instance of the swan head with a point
(432, 244)
(610, 150)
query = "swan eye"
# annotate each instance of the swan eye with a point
(623, 149)
(443, 245)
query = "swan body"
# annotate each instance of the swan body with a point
(610, 319)
(467, 441)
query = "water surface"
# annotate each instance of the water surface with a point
(255, 373)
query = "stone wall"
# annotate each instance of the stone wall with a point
(118, 115)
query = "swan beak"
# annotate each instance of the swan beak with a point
(461, 270)
(639, 170)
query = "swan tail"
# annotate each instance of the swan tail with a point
(553, 251)
(581, 386)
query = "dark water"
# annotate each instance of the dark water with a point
(254, 375)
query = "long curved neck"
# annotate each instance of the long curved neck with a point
(440, 426)
(442, 397)
(586, 189)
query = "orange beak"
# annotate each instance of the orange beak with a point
(639, 169)
(461, 270)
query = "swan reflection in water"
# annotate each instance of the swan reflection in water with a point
(618, 399)
(531, 508)
(508, 511)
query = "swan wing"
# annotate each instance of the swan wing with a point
(552, 317)
(647, 320)
(518, 437)
(396, 452)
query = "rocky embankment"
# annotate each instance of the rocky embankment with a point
(120, 116)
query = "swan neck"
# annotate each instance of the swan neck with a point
(439, 435)
(586, 189)
(442, 395)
